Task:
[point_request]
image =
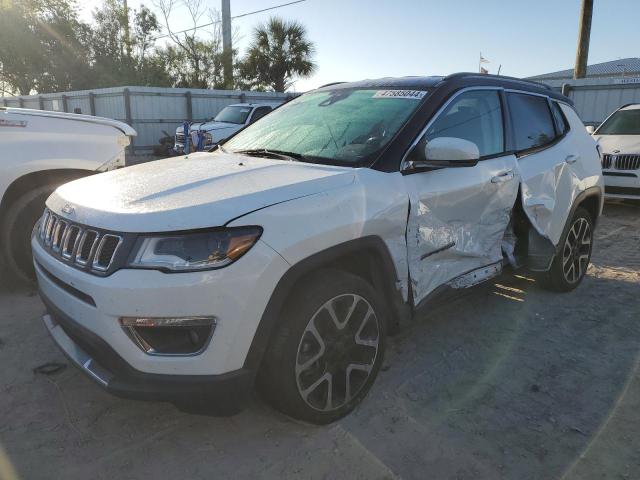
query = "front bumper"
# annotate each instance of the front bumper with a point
(224, 394)
(236, 296)
(621, 183)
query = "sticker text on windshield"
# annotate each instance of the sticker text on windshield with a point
(412, 94)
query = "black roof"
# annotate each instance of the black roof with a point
(458, 80)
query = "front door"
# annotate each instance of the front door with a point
(458, 215)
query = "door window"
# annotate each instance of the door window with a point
(475, 116)
(531, 119)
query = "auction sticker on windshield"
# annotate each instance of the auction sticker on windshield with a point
(412, 94)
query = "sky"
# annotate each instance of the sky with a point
(357, 39)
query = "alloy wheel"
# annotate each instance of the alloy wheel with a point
(576, 251)
(337, 352)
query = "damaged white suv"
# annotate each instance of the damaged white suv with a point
(286, 257)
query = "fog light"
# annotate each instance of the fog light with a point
(170, 335)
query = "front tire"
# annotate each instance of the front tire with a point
(15, 235)
(327, 350)
(570, 264)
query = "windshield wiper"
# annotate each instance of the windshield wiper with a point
(281, 154)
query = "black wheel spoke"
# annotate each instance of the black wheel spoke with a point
(576, 251)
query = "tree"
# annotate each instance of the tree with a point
(41, 45)
(193, 62)
(117, 58)
(280, 52)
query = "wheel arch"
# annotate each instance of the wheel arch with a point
(32, 180)
(367, 257)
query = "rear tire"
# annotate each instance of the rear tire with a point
(327, 350)
(570, 264)
(15, 235)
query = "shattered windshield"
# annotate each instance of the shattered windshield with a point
(342, 126)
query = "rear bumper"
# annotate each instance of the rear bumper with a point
(222, 394)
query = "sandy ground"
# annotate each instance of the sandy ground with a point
(509, 382)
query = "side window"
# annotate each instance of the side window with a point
(475, 116)
(531, 119)
(259, 113)
(562, 125)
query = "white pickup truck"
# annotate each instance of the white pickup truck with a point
(39, 151)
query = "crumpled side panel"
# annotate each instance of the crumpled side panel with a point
(453, 231)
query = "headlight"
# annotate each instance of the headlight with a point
(195, 251)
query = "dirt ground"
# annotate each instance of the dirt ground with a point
(509, 382)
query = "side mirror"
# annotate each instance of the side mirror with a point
(590, 129)
(447, 152)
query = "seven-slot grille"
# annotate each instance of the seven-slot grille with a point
(82, 246)
(621, 162)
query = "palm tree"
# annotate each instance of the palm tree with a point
(279, 52)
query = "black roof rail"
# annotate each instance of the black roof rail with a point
(330, 84)
(503, 77)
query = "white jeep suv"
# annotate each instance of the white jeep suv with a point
(619, 138)
(286, 256)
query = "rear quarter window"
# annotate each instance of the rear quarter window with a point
(562, 124)
(531, 119)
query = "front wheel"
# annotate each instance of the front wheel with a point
(571, 263)
(328, 349)
(15, 235)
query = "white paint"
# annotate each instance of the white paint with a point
(460, 207)
(44, 141)
(198, 191)
(550, 183)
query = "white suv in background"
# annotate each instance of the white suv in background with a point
(287, 255)
(619, 138)
(227, 122)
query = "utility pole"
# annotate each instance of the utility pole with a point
(584, 35)
(227, 47)
(127, 34)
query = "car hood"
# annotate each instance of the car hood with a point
(624, 143)
(198, 191)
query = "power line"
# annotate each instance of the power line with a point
(234, 17)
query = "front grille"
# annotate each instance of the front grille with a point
(78, 245)
(621, 162)
(180, 138)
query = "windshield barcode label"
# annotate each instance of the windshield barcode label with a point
(412, 94)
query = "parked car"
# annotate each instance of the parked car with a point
(619, 138)
(291, 252)
(40, 151)
(230, 119)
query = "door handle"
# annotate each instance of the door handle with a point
(503, 177)
(571, 159)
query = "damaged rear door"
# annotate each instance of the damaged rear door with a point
(458, 216)
(547, 160)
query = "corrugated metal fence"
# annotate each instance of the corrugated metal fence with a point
(596, 98)
(149, 110)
